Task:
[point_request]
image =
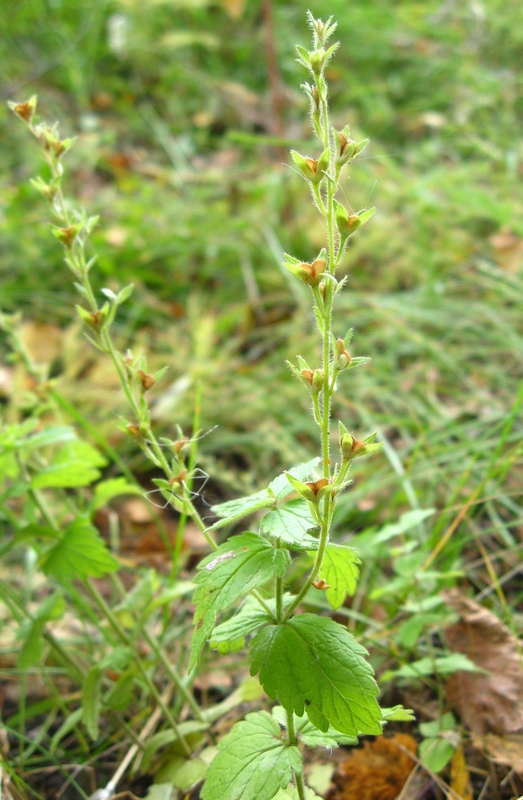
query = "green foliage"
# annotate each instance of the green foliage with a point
(437, 748)
(237, 567)
(291, 524)
(253, 763)
(340, 571)
(441, 325)
(311, 663)
(79, 552)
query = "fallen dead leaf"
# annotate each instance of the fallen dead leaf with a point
(492, 702)
(377, 771)
(506, 750)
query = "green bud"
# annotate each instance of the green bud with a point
(346, 148)
(68, 235)
(318, 381)
(348, 224)
(354, 448)
(48, 190)
(94, 319)
(313, 491)
(25, 111)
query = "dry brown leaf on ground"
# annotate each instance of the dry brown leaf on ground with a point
(505, 750)
(491, 702)
(377, 771)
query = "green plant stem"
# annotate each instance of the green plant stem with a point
(172, 673)
(104, 608)
(293, 742)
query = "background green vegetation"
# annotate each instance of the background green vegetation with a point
(185, 112)
(175, 114)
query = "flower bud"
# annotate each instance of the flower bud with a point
(318, 489)
(179, 445)
(134, 431)
(343, 360)
(350, 446)
(348, 224)
(94, 319)
(68, 235)
(308, 375)
(321, 584)
(24, 110)
(317, 60)
(346, 148)
(146, 380)
(318, 381)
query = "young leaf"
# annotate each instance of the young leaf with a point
(398, 714)
(80, 553)
(278, 489)
(161, 791)
(238, 566)
(70, 722)
(92, 700)
(441, 665)
(407, 521)
(340, 570)
(51, 434)
(291, 524)
(113, 487)
(67, 475)
(435, 754)
(252, 762)
(312, 663)
(53, 607)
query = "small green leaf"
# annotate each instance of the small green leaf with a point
(435, 754)
(182, 773)
(313, 664)
(80, 553)
(446, 722)
(105, 491)
(440, 665)
(53, 607)
(252, 763)
(340, 570)
(232, 571)
(70, 722)
(280, 486)
(51, 434)
(278, 489)
(161, 791)
(407, 521)
(398, 714)
(235, 510)
(65, 476)
(291, 524)
(92, 700)
(34, 531)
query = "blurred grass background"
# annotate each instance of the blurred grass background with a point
(185, 112)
